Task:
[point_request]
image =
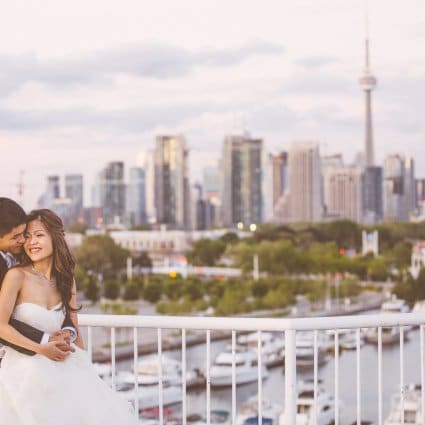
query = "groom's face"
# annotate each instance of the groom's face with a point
(13, 241)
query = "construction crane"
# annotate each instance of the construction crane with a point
(21, 187)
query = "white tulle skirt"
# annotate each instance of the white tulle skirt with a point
(37, 391)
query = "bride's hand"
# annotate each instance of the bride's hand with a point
(64, 337)
(52, 351)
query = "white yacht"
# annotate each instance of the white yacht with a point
(412, 407)
(305, 349)
(347, 338)
(395, 305)
(390, 335)
(272, 347)
(248, 412)
(245, 365)
(171, 370)
(147, 390)
(307, 409)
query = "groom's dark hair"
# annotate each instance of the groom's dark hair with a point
(11, 215)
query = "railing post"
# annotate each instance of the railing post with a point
(290, 377)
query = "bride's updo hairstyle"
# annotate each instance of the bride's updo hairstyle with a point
(63, 261)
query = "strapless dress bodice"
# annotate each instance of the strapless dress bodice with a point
(42, 318)
(35, 390)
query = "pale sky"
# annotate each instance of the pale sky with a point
(86, 82)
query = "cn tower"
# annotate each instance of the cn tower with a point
(368, 83)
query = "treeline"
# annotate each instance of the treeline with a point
(314, 248)
(233, 296)
(101, 271)
(288, 256)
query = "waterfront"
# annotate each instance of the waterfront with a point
(273, 386)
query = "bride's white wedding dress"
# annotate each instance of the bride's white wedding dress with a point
(37, 391)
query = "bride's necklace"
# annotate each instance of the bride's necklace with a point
(42, 277)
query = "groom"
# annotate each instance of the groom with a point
(12, 227)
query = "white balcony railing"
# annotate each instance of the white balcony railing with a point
(289, 327)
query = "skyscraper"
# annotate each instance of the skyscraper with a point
(211, 178)
(74, 192)
(328, 164)
(112, 192)
(302, 200)
(409, 184)
(146, 160)
(198, 207)
(399, 187)
(280, 174)
(242, 180)
(136, 196)
(420, 192)
(172, 197)
(345, 198)
(275, 181)
(372, 194)
(368, 83)
(211, 181)
(51, 193)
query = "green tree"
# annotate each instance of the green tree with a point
(118, 307)
(259, 288)
(229, 238)
(271, 232)
(193, 289)
(276, 298)
(152, 292)
(173, 288)
(142, 260)
(132, 290)
(233, 300)
(345, 233)
(401, 254)
(78, 227)
(206, 252)
(100, 254)
(349, 287)
(112, 289)
(81, 277)
(92, 289)
(378, 269)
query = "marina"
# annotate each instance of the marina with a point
(372, 393)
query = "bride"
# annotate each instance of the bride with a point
(35, 390)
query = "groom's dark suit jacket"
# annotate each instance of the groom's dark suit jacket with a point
(32, 333)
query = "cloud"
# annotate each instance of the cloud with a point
(132, 119)
(147, 60)
(317, 83)
(401, 103)
(333, 118)
(316, 62)
(275, 117)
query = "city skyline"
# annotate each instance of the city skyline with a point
(281, 72)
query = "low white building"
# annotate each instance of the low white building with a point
(153, 241)
(166, 248)
(370, 242)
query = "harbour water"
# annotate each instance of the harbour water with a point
(273, 386)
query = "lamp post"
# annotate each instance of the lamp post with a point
(129, 268)
(255, 262)
(255, 268)
(102, 286)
